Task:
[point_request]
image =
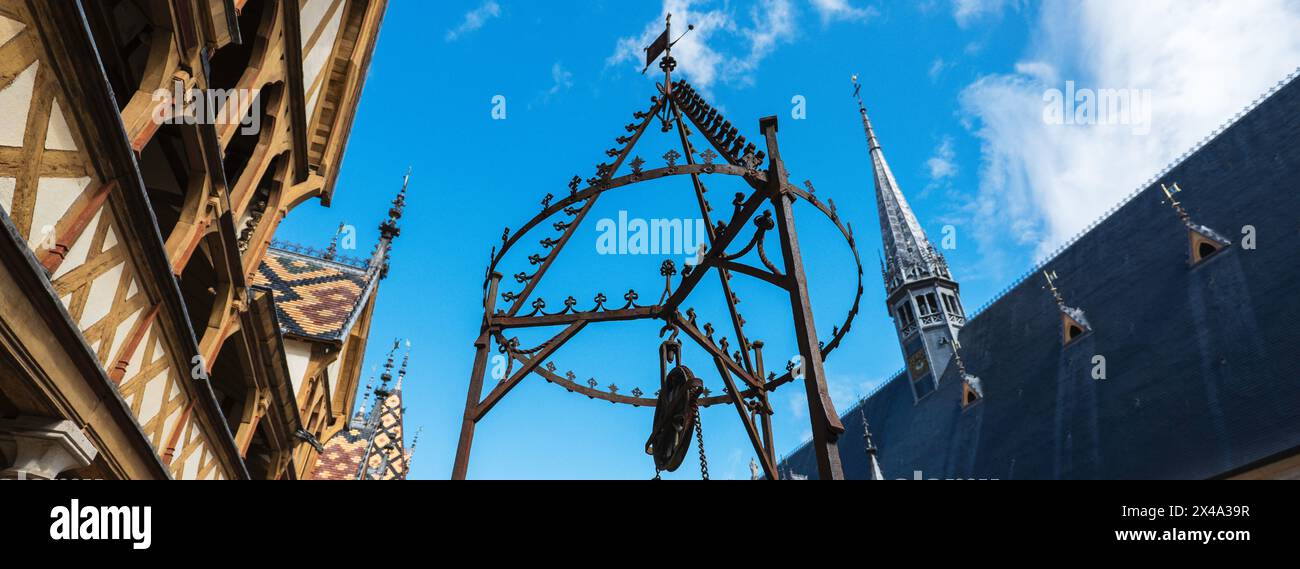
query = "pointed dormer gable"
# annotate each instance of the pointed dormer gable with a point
(1074, 323)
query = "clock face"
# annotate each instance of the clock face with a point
(918, 364)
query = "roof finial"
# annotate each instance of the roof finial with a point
(401, 373)
(333, 250)
(1051, 285)
(370, 383)
(389, 230)
(363, 410)
(1175, 204)
(875, 472)
(410, 455)
(872, 143)
(866, 433)
(387, 376)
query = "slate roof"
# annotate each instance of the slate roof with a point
(1200, 361)
(315, 298)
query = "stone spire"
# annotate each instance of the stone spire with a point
(908, 253)
(921, 296)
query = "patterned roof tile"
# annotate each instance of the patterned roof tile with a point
(315, 298)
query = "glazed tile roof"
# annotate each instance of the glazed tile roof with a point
(315, 298)
(341, 457)
(388, 457)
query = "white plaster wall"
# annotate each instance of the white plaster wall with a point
(315, 60)
(9, 29)
(299, 356)
(7, 186)
(16, 100)
(334, 376)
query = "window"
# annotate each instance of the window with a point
(1073, 325)
(927, 304)
(950, 304)
(969, 396)
(1204, 245)
(1072, 331)
(905, 316)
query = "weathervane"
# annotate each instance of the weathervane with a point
(661, 45)
(1051, 285)
(1175, 204)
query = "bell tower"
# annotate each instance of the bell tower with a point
(922, 297)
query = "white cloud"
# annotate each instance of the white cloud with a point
(699, 55)
(772, 23)
(846, 389)
(936, 68)
(942, 165)
(474, 19)
(967, 11)
(842, 10)
(561, 79)
(1054, 180)
(798, 401)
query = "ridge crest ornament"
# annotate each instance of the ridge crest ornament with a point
(742, 380)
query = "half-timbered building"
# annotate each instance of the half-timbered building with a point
(149, 150)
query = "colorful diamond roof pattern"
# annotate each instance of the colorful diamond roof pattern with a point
(315, 298)
(342, 456)
(378, 442)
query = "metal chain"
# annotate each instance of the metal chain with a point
(699, 441)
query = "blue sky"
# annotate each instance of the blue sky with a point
(955, 89)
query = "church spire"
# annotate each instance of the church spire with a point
(908, 253)
(921, 295)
